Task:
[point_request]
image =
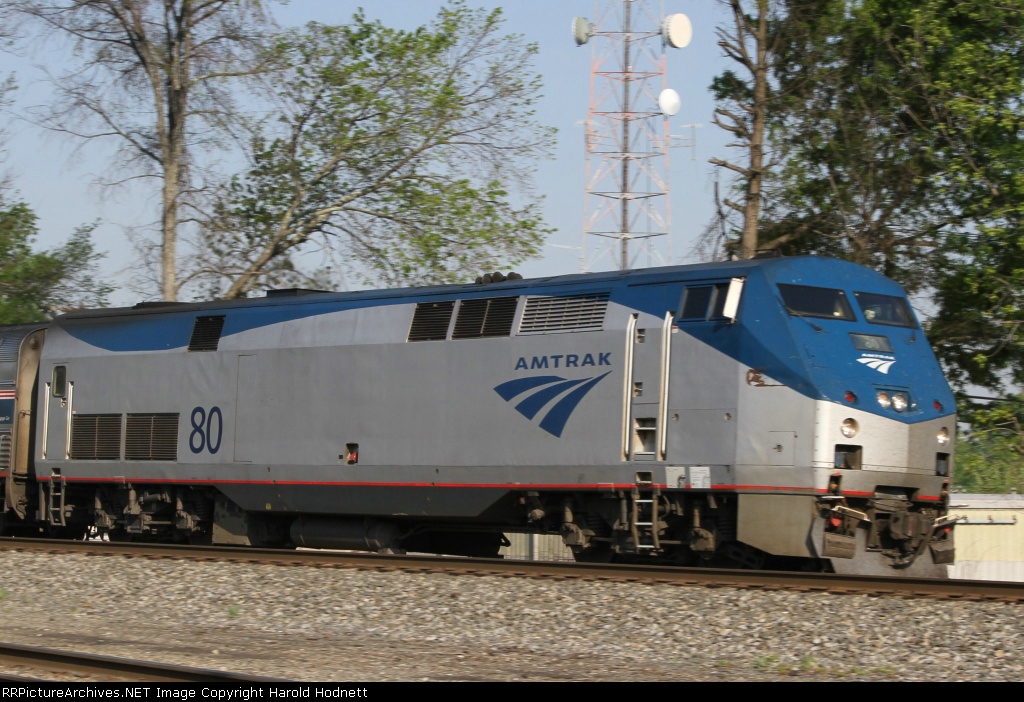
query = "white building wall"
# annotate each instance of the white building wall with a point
(989, 537)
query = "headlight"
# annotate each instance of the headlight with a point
(883, 399)
(899, 401)
(943, 436)
(849, 428)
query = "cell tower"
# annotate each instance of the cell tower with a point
(627, 134)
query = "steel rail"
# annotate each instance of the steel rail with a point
(52, 660)
(705, 577)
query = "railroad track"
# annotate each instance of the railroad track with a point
(968, 590)
(47, 664)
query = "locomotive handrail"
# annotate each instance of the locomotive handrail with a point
(627, 403)
(666, 362)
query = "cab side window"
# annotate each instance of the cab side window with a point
(703, 302)
(59, 386)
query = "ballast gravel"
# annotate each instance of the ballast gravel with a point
(347, 625)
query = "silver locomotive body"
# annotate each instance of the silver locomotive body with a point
(692, 414)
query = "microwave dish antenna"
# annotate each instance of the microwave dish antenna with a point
(582, 30)
(669, 102)
(676, 31)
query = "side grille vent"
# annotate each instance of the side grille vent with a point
(151, 437)
(96, 437)
(9, 349)
(547, 315)
(5, 452)
(487, 317)
(206, 333)
(430, 322)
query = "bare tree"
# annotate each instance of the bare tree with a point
(153, 76)
(743, 111)
(7, 87)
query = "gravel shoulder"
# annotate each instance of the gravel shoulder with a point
(344, 625)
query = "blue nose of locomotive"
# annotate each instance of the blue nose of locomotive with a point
(839, 332)
(861, 343)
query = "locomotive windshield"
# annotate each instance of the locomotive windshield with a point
(810, 301)
(885, 309)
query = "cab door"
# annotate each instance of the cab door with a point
(58, 401)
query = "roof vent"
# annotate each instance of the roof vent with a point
(485, 317)
(548, 315)
(206, 333)
(430, 321)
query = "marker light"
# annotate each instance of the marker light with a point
(850, 397)
(849, 428)
(938, 406)
(943, 436)
(883, 399)
(900, 401)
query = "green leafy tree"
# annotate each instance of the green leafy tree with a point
(860, 174)
(406, 156)
(897, 134)
(980, 290)
(990, 456)
(34, 286)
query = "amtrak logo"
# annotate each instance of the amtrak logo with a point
(541, 390)
(882, 364)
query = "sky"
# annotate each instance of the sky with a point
(58, 180)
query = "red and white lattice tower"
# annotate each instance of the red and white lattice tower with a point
(627, 135)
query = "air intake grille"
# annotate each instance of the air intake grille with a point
(8, 359)
(546, 315)
(488, 317)
(151, 437)
(9, 348)
(5, 451)
(206, 333)
(430, 322)
(96, 437)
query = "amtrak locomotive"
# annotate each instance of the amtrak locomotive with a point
(772, 413)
